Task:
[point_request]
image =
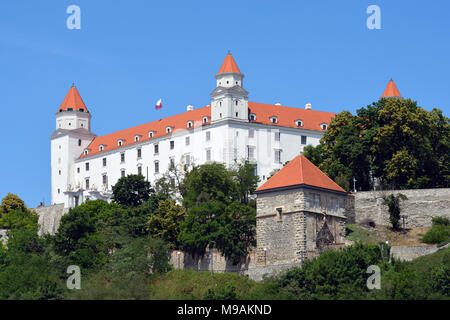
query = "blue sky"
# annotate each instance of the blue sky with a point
(128, 54)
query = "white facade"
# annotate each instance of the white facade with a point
(229, 137)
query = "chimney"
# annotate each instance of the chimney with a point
(308, 106)
(278, 104)
(189, 108)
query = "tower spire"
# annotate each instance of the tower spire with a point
(229, 65)
(391, 90)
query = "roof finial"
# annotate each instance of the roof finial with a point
(229, 52)
(73, 84)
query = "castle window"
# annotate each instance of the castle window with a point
(168, 129)
(220, 103)
(324, 126)
(208, 135)
(156, 147)
(236, 100)
(205, 119)
(236, 82)
(188, 140)
(105, 180)
(279, 214)
(122, 173)
(252, 117)
(299, 123)
(69, 109)
(172, 182)
(122, 157)
(81, 110)
(78, 170)
(79, 142)
(104, 162)
(251, 133)
(139, 153)
(101, 147)
(87, 184)
(59, 191)
(156, 166)
(172, 145)
(208, 154)
(189, 124)
(59, 172)
(150, 134)
(137, 138)
(82, 125)
(277, 136)
(274, 119)
(228, 82)
(277, 156)
(303, 139)
(237, 114)
(140, 170)
(86, 152)
(87, 166)
(69, 123)
(171, 163)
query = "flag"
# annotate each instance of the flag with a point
(158, 105)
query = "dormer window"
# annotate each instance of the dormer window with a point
(151, 134)
(274, 119)
(323, 126)
(120, 142)
(168, 129)
(190, 124)
(137, 138)
(252, 117)
(81, 110)
(299, 123)
(86, 152)
(205, 119)
(101, 147)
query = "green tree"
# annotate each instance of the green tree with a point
(246, 179)
(11, 202)
(393, 203)
(211, 181)
(131, 191)
(164, 223)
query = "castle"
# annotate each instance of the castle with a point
(85, 166)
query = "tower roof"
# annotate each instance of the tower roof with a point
(391, 90)
(73, 101)
(300, 171)
(229, 65)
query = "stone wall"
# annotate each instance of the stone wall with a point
(421, 206)
(408, 253)
(50, 217)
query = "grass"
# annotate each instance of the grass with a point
(426, 263)
(189, 284)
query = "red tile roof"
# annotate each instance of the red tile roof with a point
(177, 122)
(73, 101)
(286, 118)
(297, 172)
(391, 90)
(229, 65)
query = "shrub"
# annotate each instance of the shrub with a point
(439, 232)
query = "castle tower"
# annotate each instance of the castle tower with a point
(229, 100)
(391, 91)
(71, 138)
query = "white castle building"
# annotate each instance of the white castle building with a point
(231, 128)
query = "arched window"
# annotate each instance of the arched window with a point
(137, 138)
(205, 119)
(274, 119)
(101, 147)
(190, 124)
(252, 117)
(120, 142)
(324, 126)
(168, 129)
(299, 123)
(151, 134)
